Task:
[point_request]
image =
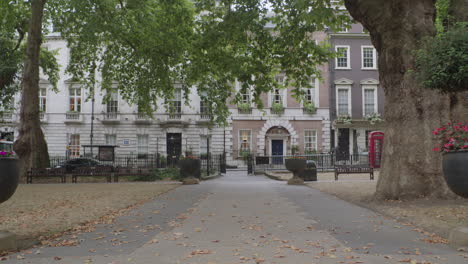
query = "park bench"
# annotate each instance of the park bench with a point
(130, 171)
(353, 169)
(45, 173)
(100, 171)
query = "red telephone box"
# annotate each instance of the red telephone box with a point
(376, 140)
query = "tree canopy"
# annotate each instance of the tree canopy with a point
(14, 18)
(147, 48)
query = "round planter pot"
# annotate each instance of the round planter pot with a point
(189, 168)
(455, 167)
(295, 165)
(9, 177)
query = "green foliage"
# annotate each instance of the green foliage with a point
(374, 118)
(310, 107)
(244, 107)
(159, 174)
(277, 108)
(442, 14)
(14, 18)
(345, 119)
(244, 154)
(294, 149)
(442, 62)
(145, 48)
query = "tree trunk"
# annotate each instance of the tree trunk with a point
(31, 146)
(410, 169)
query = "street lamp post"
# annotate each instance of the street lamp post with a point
(223, 158)
(208, 156)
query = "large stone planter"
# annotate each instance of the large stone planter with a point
(9, 177)
(296, 166)
(455, 167)
(190, 170)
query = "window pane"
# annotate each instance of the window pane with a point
(203, 145)
(74, 145)
(142, 144)
(369, 101)
(75, 99)
(342, 59)
(277, 97)
(368, 57)
(310, 140)
(111, 139)
(343, 101)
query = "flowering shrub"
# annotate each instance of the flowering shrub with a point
(374, 118)
(345, 118)
(4, 154)
(451, 137)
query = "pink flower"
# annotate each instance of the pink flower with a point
(436, 149)
(435, 132)
(448, 145)
(3, 153)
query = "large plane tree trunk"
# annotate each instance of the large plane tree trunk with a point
(31, 146)
(410, 169)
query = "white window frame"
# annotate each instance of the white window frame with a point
(42, 99)
(143, 147)
(75, 148)
(109, 140)
(240, 139)
(314, 143)
(177, 101)
(374, 58)
(348, 56)
(283, 92)
(77, 106)
(341, 87)
(113, 103)
(369, 87)
(316, 86)
(203, 145)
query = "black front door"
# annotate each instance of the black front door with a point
(174, 148)
(277, 151)
(342, 152)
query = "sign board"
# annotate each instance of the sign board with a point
(126, 142)
(106, 153)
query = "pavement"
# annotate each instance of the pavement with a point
(246, 219)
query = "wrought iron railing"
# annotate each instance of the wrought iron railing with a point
(323, 161)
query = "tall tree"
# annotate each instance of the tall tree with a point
(31, 145)
(144, 47)
(410, 169)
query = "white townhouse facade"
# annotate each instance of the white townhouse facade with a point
(66, 120)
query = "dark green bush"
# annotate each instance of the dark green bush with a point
(442, 63)
(159, 174)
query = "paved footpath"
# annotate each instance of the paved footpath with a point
(247, 219)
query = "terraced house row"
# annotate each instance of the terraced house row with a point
(348, 102)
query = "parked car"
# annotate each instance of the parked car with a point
(72, 164)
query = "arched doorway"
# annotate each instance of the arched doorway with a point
(277, 141)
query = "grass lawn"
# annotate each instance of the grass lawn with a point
(45, 209)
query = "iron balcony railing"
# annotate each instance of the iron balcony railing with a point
(72, 116)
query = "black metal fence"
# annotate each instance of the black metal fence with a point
(323, 161)
(210, 164)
